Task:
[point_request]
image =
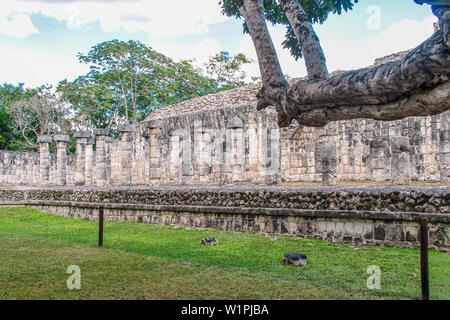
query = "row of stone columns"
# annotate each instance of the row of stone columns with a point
(84, 162)
(44, 158)
(400, 164)
(83, 142)
(325, 155)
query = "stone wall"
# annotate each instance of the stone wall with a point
(26, 168)
(19, 168)
(235, 145)
(358, 216)
(364, 149)
(222, 139)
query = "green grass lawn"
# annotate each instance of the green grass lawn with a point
(140, 261)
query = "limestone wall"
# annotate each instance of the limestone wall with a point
(190, 143)
(220, 146)
(19, 168)
(364, 149)
(234, 145)
(383, 216)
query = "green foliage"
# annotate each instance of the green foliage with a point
(40, 112)
(9, 94)
(127, 81)
(226, 70)
(317, 11)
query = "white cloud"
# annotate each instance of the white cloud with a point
(35, 68)
(288, 64)
(190, 17)
(200, 52)
(161, 19)
(17, 25)
(345, 53)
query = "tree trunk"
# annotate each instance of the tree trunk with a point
(416, 85)
(273, 79)
(309, 42)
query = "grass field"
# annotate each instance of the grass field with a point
(140, 261)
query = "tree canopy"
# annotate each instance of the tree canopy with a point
(226, 70)
(128, 80)
(10, 94)
(317, 11)
(38, 113)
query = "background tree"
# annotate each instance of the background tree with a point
(226, 70)
(41, 113)
(416, 85)
(127, 81)
(9, 139)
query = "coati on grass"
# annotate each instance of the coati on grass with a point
(210, 241)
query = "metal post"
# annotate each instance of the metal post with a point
(424, 259)
(100, 227)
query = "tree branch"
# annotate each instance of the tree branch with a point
(271, 74)
(417, 85)
(309, 42)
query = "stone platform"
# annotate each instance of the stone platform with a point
(384, 216)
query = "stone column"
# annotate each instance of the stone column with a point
(226, 165)
(108, 147)
(273, 169)
(326, 162)
(377, 160)
(400, 161)
(44, 159)
(186, 147)
(89, 159)
(100, 156)
(125, 148)
(80, 162)
(61, 145)
(235, 153)
(444, 154)
(155, 127)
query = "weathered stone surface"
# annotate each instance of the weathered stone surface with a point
(444, 155)
(82, 134)
(231, 142)
(374, 199)
(400, 161)
(101, 132)
(326, 162)
(61, 161)
(44, 139)
(61, 138)
(80, 162)
(156, 124)
(235, 123)
(357, 216)
(126, 128)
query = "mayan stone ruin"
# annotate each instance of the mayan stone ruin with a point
(217, 162)
(221, 139)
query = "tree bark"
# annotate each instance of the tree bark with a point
(274, 82)
(309, 42)
(417, 85)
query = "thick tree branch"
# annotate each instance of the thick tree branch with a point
(309, 42)
(416, 85)
(271, 74)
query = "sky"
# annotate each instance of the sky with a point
(40, 39)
